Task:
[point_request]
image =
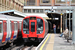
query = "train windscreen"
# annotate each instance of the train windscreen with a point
(40, 24)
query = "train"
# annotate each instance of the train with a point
(34, 28)
(10, 26)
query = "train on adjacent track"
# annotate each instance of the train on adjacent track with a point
(34, 28)
(10, 26)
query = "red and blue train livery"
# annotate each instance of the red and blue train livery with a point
(10, 26)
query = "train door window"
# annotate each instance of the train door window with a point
(40, 24)
(1, 29)
(5, 27)
(10, 27)
(26, 24)
(20, 25)
(15, 26)
(32, 26)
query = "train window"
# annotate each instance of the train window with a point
(0, 27)
(5, 27)
(32, 26)
(39, 24)
(20, 25)
(16, 26)
(10, 27)
(26, 24)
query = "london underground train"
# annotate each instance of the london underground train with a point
(34, 28)
(9, 28)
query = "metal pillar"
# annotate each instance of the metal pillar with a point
(69, 24)
(61, 24)
(66, 21)
(73, 27)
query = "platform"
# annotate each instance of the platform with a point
(54, 42)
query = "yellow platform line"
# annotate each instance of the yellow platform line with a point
(51, 43)
(44, 42)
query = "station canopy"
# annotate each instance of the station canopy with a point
(55, 9)
(37, 14)
(13, 13)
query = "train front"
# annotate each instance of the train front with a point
(33, 29)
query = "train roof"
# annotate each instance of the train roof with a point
(36, 16)
(5, 17)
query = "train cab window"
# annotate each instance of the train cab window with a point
(0, 27)
(26, 24)
(40, 24)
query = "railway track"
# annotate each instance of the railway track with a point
(30, 48)
(26, 46)
(23, 46)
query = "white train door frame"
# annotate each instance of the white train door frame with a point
(15, 29)
(1, 31)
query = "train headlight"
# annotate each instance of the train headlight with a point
(24, 31)
(40, 31)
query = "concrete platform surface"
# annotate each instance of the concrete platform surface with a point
(61, 43)
(54, 42)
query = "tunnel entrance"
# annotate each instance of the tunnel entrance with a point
(53, 19)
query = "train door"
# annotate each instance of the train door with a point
(18, 26)
(1, 30)
(32, 32)
(4, 31)
(12, 29)
(15, 29)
